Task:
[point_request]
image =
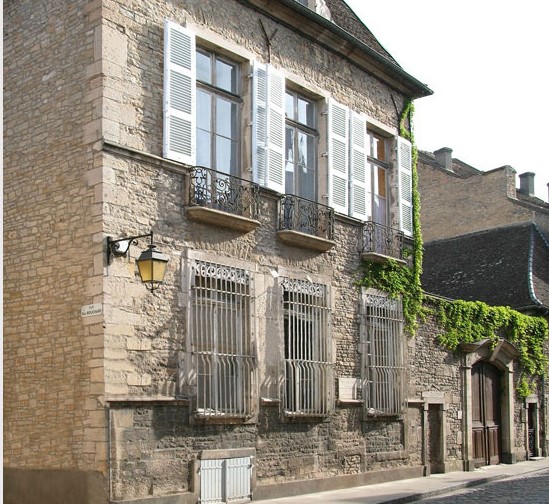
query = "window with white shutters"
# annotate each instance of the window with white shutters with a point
(179, 93)
(268, 127)
(338, 155)
(307, 349)
(361, 207)
(382, 337)
(221, 340)
(404, 159)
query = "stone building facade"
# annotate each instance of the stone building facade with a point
(258, 142)
(487, 240)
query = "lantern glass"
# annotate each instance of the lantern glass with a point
(152, 266)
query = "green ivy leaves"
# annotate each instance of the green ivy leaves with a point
(472, 321)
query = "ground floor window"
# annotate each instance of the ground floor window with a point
(307, 349)
(384, 371)
(221, 339)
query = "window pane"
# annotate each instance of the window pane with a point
(203, 110)
(226, 118)
(203, 67)
(226, 76)
(290, 161)
(289, 105)
(305, 112)
(306, 156)
(203, 148)
(225, 155)
(381, 182)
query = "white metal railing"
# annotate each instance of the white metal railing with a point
(307, 349)
(221, 339)
(384, 380)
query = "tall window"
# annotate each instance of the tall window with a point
(300, 146)
(217, 115)
(220, 326)
(377, 158)
(384, 371)
(308, 367)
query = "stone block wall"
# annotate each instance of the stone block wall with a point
(53, 379)
(452, 205)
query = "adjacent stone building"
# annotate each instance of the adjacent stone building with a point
(256, 145)
(488, 241)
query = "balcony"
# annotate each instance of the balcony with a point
(305, 223)
(222, 200)
(380, 243)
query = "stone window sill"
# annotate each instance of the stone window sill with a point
(221, 219)
(304, 240)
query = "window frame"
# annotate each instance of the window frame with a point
(216, 92)
(236, 279)
(310, 305)
(383, 353)
(375, 165)
(311, 131)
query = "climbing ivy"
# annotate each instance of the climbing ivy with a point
(390, 276)
(463, 321)
(473, 321)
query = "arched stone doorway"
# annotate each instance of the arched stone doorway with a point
(486, 402)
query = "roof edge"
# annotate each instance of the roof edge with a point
(356, 51)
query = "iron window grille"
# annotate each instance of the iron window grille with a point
(307, 349)
(384, 369)
(221, 337)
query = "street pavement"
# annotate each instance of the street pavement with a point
(524, 482)
(531, 488)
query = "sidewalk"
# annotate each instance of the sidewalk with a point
(410, 490)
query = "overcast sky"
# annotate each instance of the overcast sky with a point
(487, 62)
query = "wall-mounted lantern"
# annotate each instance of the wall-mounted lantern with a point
(151, 263)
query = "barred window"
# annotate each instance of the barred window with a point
(307, 349)
(384, 370)
(221, 336)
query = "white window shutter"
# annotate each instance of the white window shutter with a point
(179, 94)
(404, 159)
(268, 127)
(338, 155)
(259, 123)
(360, 203)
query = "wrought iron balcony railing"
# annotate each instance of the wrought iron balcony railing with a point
(382, 240)
(227, 193)
(306, 216)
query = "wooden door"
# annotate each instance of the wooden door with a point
(486, 388)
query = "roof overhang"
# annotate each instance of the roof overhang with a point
(322, 31)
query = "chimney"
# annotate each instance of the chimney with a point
(443, 157)
(527, 183)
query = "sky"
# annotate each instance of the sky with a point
(487, 63)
